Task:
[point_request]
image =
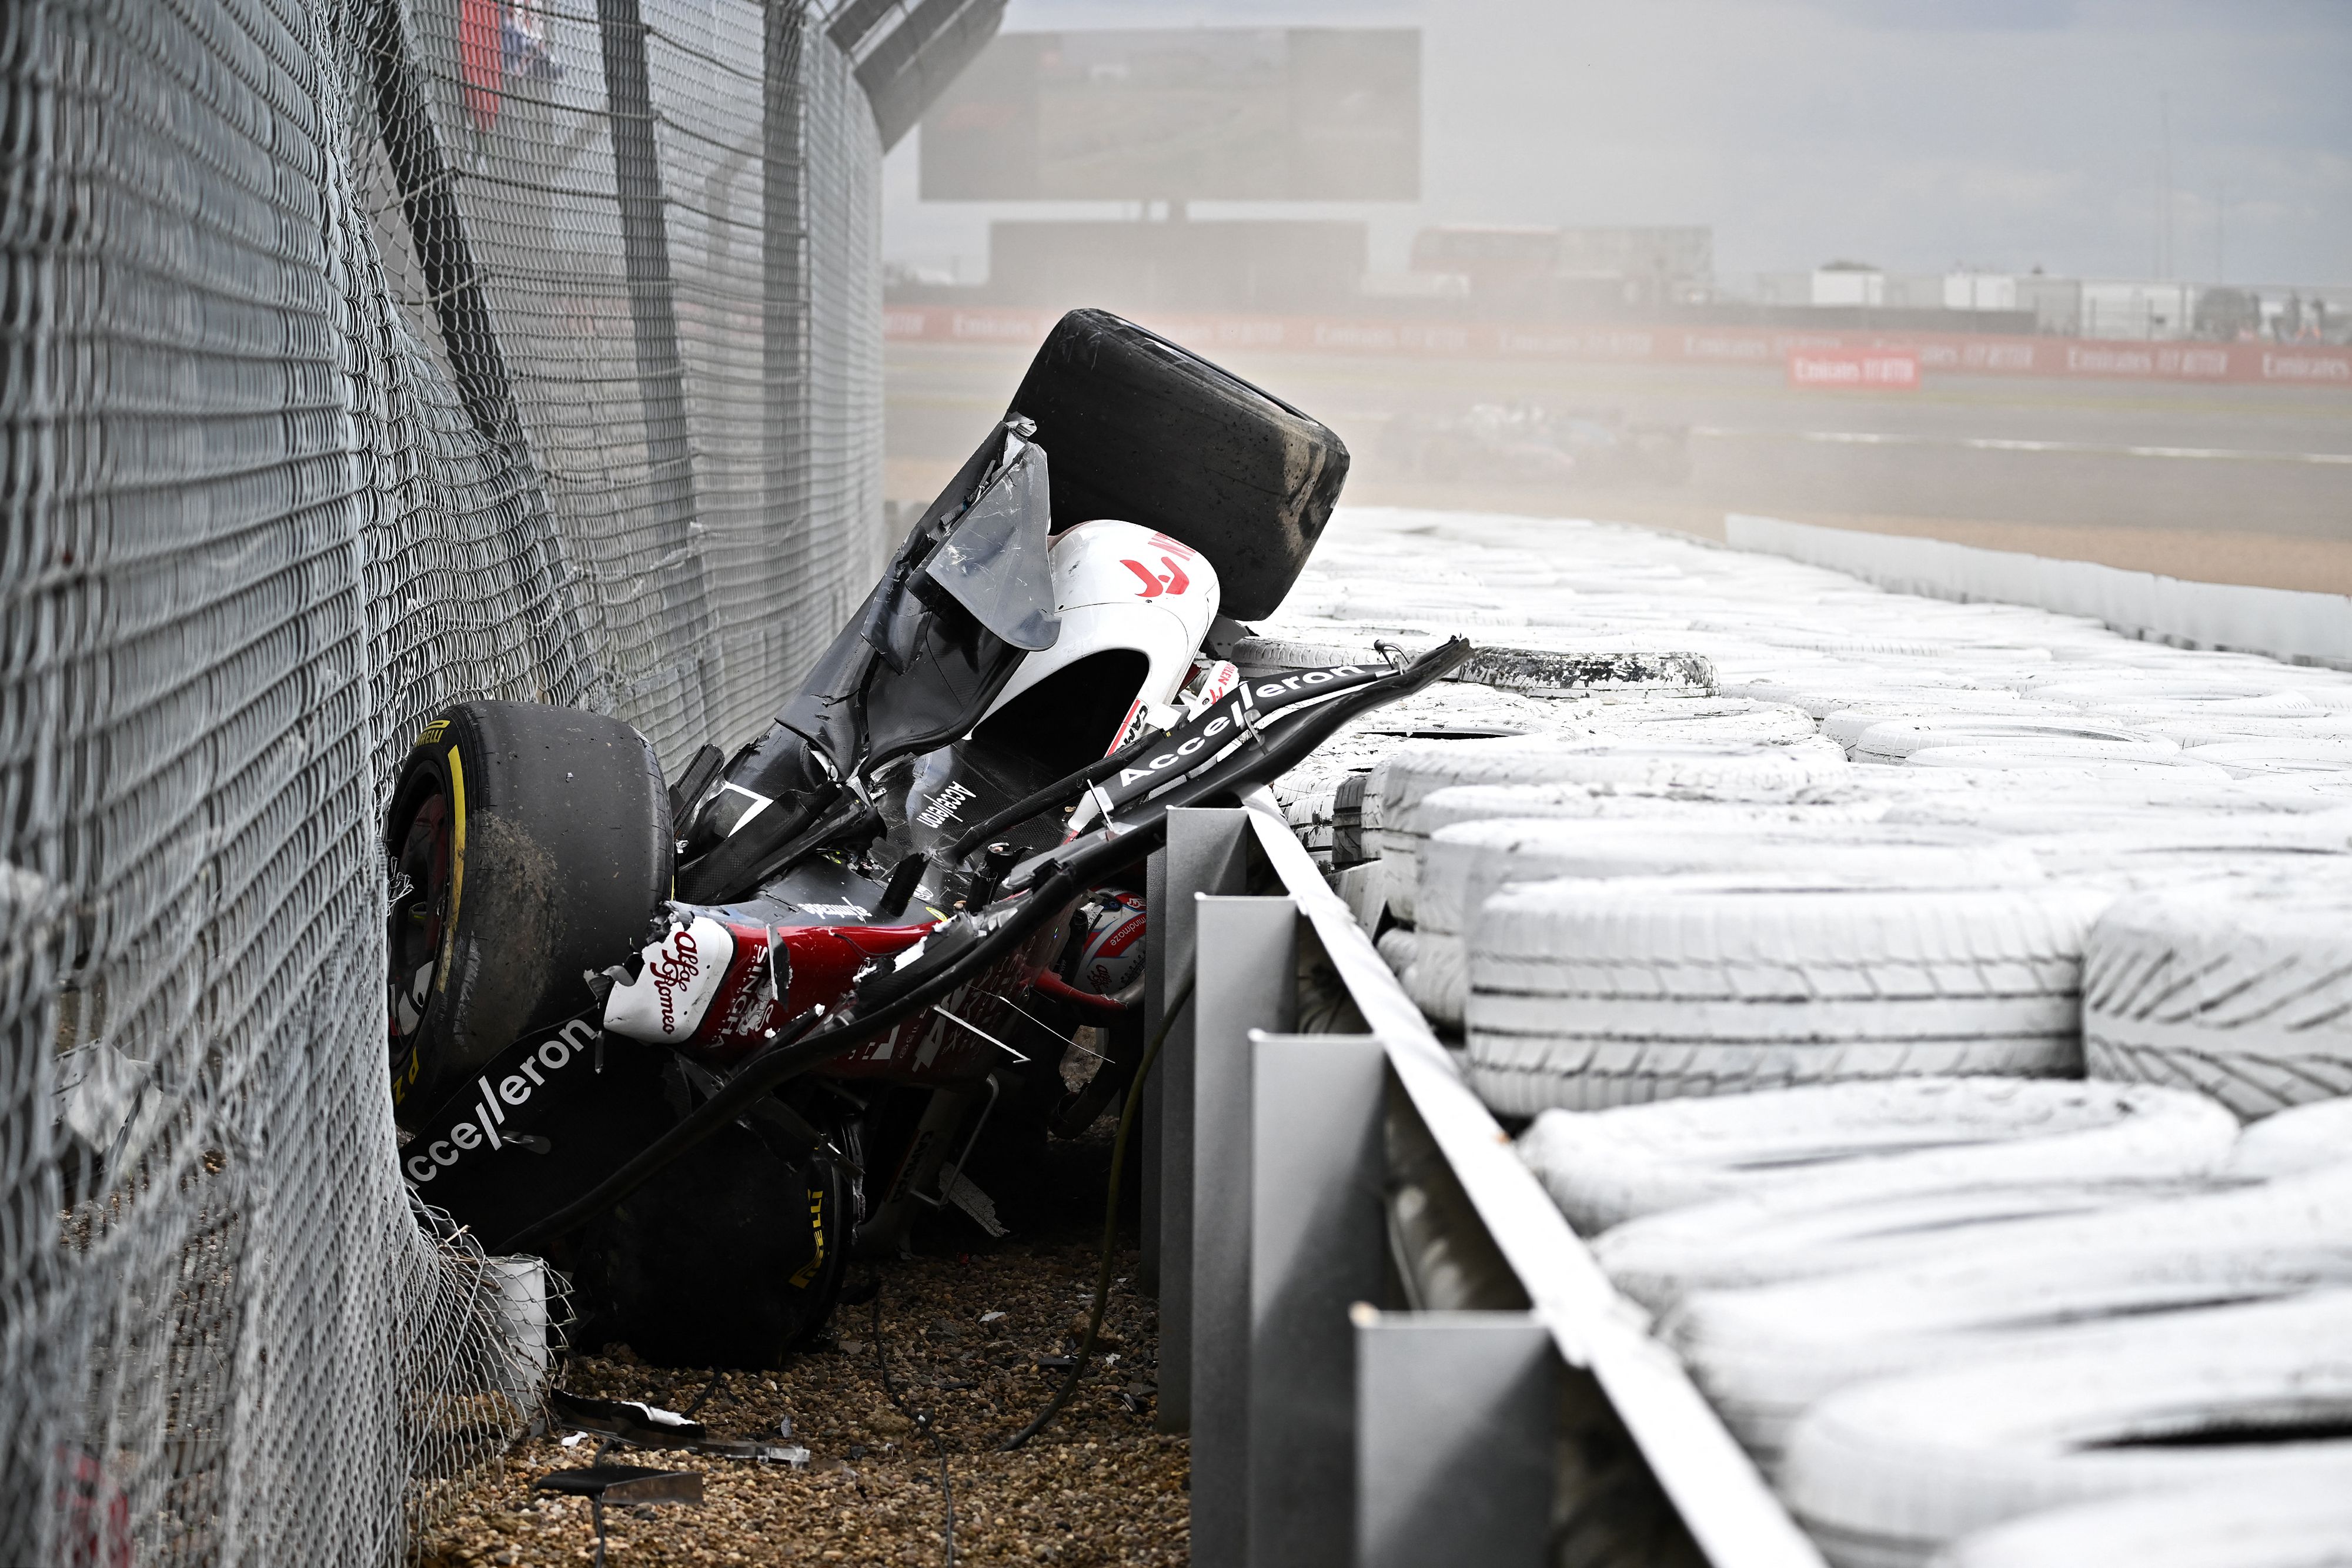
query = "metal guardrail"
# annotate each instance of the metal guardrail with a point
(1301, 1187)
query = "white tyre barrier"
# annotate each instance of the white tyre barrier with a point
(1400, 947)
(1590, 994)
(1780, 634)
(2145, 697)
(1419, 768)
(1446, 715)
(2307, 1138)
(2132, 704)
(1709, 722)
(1898, 738)
(1462, 866)
(2057, 756)
(1767, 1239)
(2329, 788)
(1846, 726)
(1537, 671)
(1820, 1144)
(1765, 1354)
(1884, 1474)
(2219, 729)
(2245, 758)
(2039, 806)
(2150, 829)
(2303, 1520)
(2164, 869)
(1403, 846)
(2246, 996)
(1822, 699)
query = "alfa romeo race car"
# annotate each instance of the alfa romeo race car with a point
(698, 1041)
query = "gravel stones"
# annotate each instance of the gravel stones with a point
(1097, 1487)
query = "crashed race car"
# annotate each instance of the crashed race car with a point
(697, 1043)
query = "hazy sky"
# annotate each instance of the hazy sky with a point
(1911, 133)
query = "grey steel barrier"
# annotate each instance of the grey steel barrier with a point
(1387, 1344)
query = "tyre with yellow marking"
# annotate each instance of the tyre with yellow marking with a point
(526, 845)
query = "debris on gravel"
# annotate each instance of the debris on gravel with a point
(1097, 1487)
(971, 1329)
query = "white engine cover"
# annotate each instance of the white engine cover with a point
(1119, 585)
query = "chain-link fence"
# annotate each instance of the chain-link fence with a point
(361, 356)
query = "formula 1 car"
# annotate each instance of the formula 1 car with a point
(699, 1042)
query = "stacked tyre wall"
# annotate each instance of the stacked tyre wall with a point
(363, 357)
(1933, 1016)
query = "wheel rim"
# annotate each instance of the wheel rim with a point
(419, 910)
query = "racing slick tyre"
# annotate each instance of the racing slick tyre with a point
(1137, 427)
(730, 1256)
(2246, 996)
(1885, 1473)
(527, 844)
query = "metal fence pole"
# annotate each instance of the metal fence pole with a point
(1207, 851)
(1318, 1238)
(1247, 961)
(1456, 1415)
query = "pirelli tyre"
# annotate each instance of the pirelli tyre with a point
(1920, 1134)
(1589, 994)
(1140, 428)
(1764, 1355)
(2245, 994)
(525, 844)
(730, 1256)
(1886, 1473)
(2302, 1521)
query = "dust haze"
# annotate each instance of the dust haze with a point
(2073, 279)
